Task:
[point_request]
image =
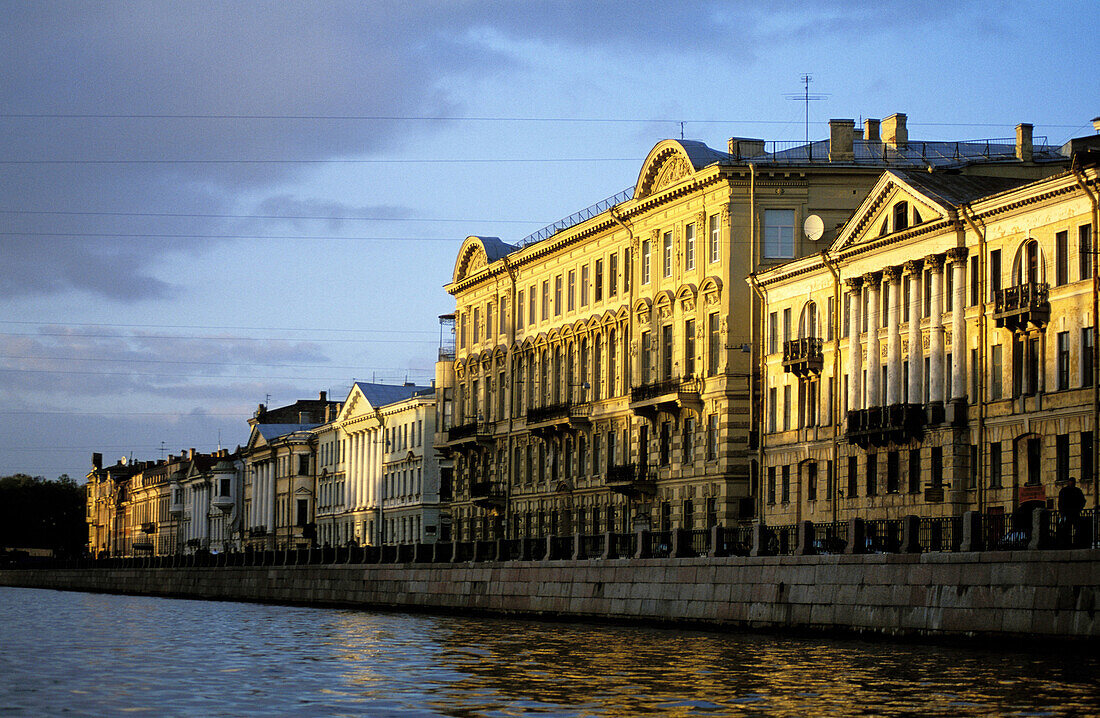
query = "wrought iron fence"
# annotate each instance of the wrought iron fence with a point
(830, 538)
(699, 542)
(942, 533)
(624, 545)
(660, 544)
(882, 536)
(561, 547)
(592, 546)
(782, 540)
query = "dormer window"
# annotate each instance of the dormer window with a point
(901, 216)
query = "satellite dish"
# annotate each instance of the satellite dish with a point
(813, 227)
(123, 460)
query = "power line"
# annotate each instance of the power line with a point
(141, 235)
(217, 326)
(197, 376)
(199, 215)
(435, 160)
(221, 339)
(191, 361)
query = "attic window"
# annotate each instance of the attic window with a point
(916, 217)
(901, 216)
(885, 228)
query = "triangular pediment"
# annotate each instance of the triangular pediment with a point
(256, 440)
(878, 215)
(357, 405)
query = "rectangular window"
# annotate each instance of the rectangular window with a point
(689, 247)
(646, 352)
(303, 465)
(778, 233)
(973, 375)
(829, 309)
(786, 474)
(612, 274)
(994, 273)
(872, 474)
(531, 305)
(948, 288)
(772, 409)
(1061, 258)
(645, 261)
(853, 477)
(914, 471)
(712, 437)
(1086, 457)
(787, 407)
(545, 299)
(519, 311)
(557, 296)
(666, 254)
(996, 371)
(1063, 360)
(786, 325)
(666, 352)
(477, 326)
(584, 286)
(995, 465)
(503, 316)
(773, 333)
(598, 287)
(571, 290)
(972, 473)
(462, 331)
(1088, 343)
(626, 270)
(771, 485)
(689, 348)
(893, 472)
(666, 443)
(811, 481)
(973, 282)
(1033, 364)
(713, 344)
(687, 437)
(937, 465)
(1061, 457)
(713, 225)
(1084, 251)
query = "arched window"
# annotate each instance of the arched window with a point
(1029, 263)
(807, 323)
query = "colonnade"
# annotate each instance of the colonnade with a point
(889, 280)
(200, 510)
(363, 457)
(263, 495)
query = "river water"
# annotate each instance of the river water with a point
(103, 655)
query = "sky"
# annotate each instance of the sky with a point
(205, 206)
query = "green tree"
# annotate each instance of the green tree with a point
(39, 513)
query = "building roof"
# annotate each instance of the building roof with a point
(956, 189)
(273, 431)
(381, 394)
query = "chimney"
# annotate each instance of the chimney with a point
(191, 454)
(840, 140)
(324, 396)
(870, 131)
(745, 148)
(1023, 142)
(894, 132)
(97, 460)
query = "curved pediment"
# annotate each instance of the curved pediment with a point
(671, 162)
(476, 253)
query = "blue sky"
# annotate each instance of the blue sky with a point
(206, 206)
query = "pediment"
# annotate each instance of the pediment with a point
(668, 164)
(356, 405)
(256, 440)
(876, 217)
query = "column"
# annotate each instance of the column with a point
(935, 329)
(855, 346)
(893, 335)
(916, 347)
(269, 496)
(957, 256)
(874, 319)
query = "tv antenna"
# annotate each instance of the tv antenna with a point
(805, 96)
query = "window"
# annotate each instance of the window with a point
(778, 233)
(557, 296)
(646, 350)
(811, 481)
(773, 333)
(666, 352)
(713, 344)
(687, 437)
(584, 286)
(995, 465)
(626, 270)
(531, 305)
(996, 370)
(786, 487)
(771, 409)
(787, 407)
(1034, 461)
(771, 485)
(853, 477)
(612, 274)
(666, 254)
(713, 224)
(994, 273)
(519, 311)
(477, 326)
(462, 331)
(1061, 258)
(948, 287)
(974, 280)
(1088, 344)
(893, 472)
(689, 247)
(303, 465)
(598, 289)
(914, 471)
(712, 437)
(645, 261)
(689, 347)
(937, 465)
(901, 216)
(972, 474)
(829, 319)
(611, 365)
(1062, 367)
(786, 325)
(1086, 455)
(545, 299)
(503, 315)
(571, 290)
(872, 474)
(1061, 457)
(666, 443)
(973, 375)
(1084, 251)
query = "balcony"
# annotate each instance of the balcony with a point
(486, 495)
(632, 480)
(470, 433)
(882, 425)
(1023, 307)
(671, 395)
(802, 357)
(558, 417)
(149, 527)
(222, 503)
(257, 531)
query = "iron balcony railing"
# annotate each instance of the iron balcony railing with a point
(803, 357)
(469, 431)
(657, 389)
(563, 410)
(880, 425)
(1022, 306)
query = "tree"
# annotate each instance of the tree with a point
(39, 513)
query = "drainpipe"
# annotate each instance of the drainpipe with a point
(835, 408)
(510, 400)
(1077, 175)
(982, 348)
(762, 293)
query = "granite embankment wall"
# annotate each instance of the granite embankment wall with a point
(1017, 593)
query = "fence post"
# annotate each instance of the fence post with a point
(642, 548)
(608, 540)
(857, 536)
(680, 543)
(576, 547)
(804, 540)
(1040, 530)
(972, 531)
(759, 539)
(717, 548)
(910, 534)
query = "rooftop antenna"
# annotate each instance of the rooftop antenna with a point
(805, 97)
(267, 399)
(219, 439)
(162, 449)
(681, 131)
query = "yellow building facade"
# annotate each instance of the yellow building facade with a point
(940, 356)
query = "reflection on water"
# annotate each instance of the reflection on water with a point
(105, 655)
